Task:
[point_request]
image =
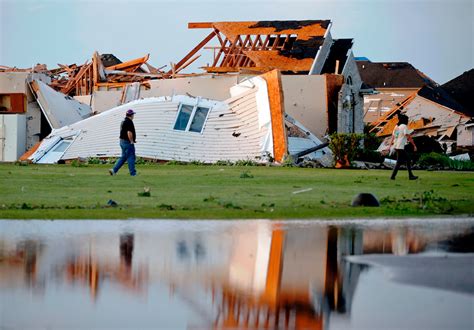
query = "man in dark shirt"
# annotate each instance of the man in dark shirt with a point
(127, 144)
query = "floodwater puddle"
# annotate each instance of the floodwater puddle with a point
(163, 274)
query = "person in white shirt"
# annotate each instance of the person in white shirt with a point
(400, 137)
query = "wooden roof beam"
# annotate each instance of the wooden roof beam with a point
(194, 51)
(131, 65)
(200, 25)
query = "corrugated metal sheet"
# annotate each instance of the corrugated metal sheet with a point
(231, 131)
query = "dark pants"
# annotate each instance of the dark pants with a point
(128, 155)
(402, 158)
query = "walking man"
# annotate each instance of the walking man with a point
(400, 137)
(127, 144)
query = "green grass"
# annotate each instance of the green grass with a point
(224, 192)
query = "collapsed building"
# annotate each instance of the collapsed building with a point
(318, 93)
(248, 125)
(433, 111)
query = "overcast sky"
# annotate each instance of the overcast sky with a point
(436, 36)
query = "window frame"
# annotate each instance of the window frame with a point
(191, 116)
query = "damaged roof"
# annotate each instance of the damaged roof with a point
(263, 45)
(439, 95)
(338, 52)
(437, 118)
(392, 75)
(461, 89)
(109, 60)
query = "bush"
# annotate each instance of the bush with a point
(175, 162)
(371, 156)
(371, 140)
(345, 146)
(433, 159)
(246, 175)
(371, 143)
(437, 160)
(223, 163)
(246, 162)
(94, 160)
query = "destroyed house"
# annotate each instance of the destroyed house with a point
(296, 48)
(431, 112)
(461, 89)
(392, 82)
(248, 125)
(319, 85)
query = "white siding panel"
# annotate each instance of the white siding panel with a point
(157, 139)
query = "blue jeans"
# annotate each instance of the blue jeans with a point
(128, 155)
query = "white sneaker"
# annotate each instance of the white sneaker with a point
(111, 172)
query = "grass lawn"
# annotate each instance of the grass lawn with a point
(224, 192)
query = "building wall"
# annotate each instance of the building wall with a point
(30, 122)
(211, 87)
(33, 124)
(305, 99)
(105, 100)
(13, 82)
(465, 136)
(12, 136)
(350, 112)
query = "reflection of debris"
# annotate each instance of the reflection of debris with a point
(249, 274)
(426, 271)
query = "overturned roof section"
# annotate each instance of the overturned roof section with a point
(59, 109)
(392, 75)
(248, 125)
(461, 89)
(262, 45)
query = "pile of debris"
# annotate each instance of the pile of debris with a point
(273, 90)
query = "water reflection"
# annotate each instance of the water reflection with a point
(221, 275)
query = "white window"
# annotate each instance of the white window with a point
(55, 153)
(191, 118)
